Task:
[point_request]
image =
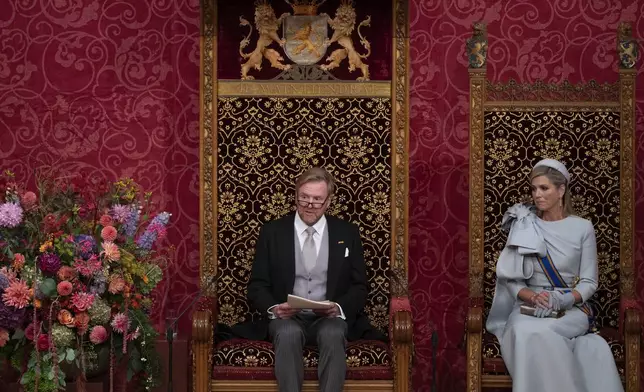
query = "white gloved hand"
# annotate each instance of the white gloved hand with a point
(542, 312)
(560, 301)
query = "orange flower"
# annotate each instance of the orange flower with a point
(67, 273)
(82, 322)
(117, 284)
(18, 261)
(65, 318)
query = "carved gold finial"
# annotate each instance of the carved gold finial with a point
(305, 7)
(626, 46)
(477, 46)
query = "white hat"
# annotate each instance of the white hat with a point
(555, 164)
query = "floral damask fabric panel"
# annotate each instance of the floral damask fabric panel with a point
(263, 145)
(588, 143)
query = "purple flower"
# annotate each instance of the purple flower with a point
(4, 282)
(10, 215)
(155, 229)
(120, 213)
(49, 263)
(132, 221)
(10, 317)
(85, 246)
(99, 283)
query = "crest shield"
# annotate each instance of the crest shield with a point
(305, 36)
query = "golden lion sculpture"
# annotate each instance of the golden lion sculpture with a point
(266, 24)
(343, 25)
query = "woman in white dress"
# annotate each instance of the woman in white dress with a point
(550, 263)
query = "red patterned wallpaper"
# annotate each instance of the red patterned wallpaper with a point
(548, 40)
(109, 88)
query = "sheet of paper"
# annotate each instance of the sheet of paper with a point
(302, 303)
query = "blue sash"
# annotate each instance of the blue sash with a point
(556, 281)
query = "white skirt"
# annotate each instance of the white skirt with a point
(548, 354)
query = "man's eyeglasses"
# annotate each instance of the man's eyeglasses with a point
(314, 204)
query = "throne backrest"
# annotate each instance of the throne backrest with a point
(588, 143)
(584, 127)
(263, 145)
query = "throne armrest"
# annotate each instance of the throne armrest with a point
(474, 323)
(474, 340)
(400, 321)
(632, 338)
(202, 343)
(401, 329)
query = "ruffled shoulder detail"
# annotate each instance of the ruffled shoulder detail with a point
(517, 212)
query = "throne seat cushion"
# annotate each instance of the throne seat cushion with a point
(493, 362)
(243, 359)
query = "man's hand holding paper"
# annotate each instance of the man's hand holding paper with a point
(284, 311)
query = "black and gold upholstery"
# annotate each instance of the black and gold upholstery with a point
(264, 144)
(590, 129)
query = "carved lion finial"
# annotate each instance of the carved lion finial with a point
(477, 45)
(626, 46)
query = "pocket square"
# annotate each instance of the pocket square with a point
(346, 252)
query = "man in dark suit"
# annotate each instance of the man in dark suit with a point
(318, 257)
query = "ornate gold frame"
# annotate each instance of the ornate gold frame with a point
(487, 96)
(211, 88)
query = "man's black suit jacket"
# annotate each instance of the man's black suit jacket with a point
(273, 274)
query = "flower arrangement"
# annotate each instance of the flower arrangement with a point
(77, 268)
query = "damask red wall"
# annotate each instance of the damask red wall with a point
(548, 40)
(108, 89)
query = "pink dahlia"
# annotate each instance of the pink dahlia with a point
(111, 251)
(98, 334)
(16, 294)
(120, 323)
(134, 335)
(28, 200)
(4, 337)
(88, 267)
(108, 233)
(30, 331)
(10, 215)
(82, 301)
(64, 288)
(105, 220)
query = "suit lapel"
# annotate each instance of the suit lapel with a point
(335, 259)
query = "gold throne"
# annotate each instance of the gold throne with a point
(253, 147)
(590, 128)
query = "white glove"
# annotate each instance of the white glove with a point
(560, 301)
(542, 312)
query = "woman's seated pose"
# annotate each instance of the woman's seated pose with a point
(550, 263)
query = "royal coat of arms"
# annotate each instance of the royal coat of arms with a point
(305, 37)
